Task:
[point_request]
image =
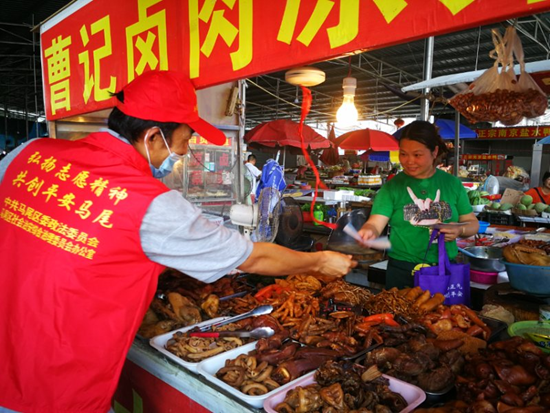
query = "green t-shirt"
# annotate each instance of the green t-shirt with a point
(406, 215)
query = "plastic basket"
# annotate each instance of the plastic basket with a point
(500, 219)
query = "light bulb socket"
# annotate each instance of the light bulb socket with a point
(349, 85)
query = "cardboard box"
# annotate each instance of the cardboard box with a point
(511, 196)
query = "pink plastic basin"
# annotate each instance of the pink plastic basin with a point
(483, 277)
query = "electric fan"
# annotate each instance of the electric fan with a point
(491, 185)
(261, 220)
(290, 233)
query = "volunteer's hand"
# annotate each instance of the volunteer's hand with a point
(333, 265)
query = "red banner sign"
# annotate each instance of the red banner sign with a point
(483, 157)
(95, 47)
(524, 132)
(199, 140)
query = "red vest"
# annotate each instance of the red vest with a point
(75, 283)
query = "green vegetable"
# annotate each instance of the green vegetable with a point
(484, 193)
(495, 205)
(521, 206)
(526, 200)
(506, 206)
(531, 206)
(547, 209)
(539, 207)
(473, 194)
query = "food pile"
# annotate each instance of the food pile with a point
(196, 349)
(181, 301)
(408, 334)
(526, 207)
(479, 197)
(506, 106)
(351, 320)
(512, 375)
(344, 387)
(528, 252)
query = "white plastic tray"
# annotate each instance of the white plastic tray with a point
(412, 394)
(208, 368)
(159, 343)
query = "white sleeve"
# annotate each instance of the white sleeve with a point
(253, 170)
(175, 234)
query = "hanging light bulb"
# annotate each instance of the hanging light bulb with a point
(347, 113)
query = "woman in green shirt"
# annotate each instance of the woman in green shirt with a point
(415, 200)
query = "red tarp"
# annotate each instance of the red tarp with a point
(366, 139)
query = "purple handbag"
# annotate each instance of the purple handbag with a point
(451, 280)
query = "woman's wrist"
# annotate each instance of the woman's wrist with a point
(372, 228)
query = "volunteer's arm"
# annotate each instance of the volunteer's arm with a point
(272, 259)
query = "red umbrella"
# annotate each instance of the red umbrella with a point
(330, 155)
(284, 132)
(366, 139)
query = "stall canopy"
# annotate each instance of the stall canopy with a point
(447, 130)
(367, 139)
(93, 48)
(282, 133)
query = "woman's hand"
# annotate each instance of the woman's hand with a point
(452, 233)
(368, 232)
(470, 228)
(373, 227)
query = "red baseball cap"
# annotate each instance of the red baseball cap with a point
(167, 96)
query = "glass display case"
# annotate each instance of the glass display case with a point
(207, 176)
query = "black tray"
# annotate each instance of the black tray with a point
(497, 328)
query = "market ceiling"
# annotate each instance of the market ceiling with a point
(380, 73)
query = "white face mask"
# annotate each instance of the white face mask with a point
(168, 164)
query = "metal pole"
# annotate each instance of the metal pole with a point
(240, 143)
(536, 164)
(457, 143)
(428, 66)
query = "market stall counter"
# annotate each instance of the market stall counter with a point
(157, 384)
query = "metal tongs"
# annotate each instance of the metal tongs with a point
(261, 310)
(260, 332)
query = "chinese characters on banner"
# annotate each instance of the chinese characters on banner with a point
(57, 184)
(94, 48)
(485, 157)
(528, 132)
(199, 140)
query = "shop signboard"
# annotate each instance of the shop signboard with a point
(521, 132)
(95, 47)
(484, 157)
